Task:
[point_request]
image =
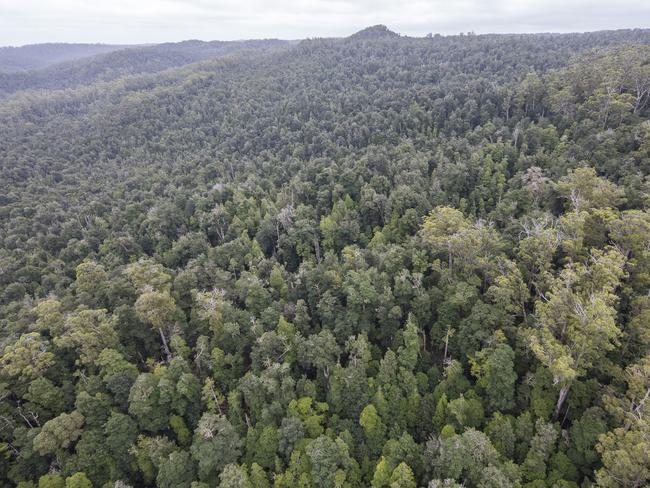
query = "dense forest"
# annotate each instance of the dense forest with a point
(375, 261)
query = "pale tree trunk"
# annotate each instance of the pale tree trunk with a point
(564, 391)
(447, 336)
(168, 353)
(317, 249)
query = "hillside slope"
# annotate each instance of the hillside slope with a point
(37, 56)
(125, 62)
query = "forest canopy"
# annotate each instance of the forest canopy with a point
(375, 261)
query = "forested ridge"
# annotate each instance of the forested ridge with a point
(116, 62)
(377, 261)
(19, 59)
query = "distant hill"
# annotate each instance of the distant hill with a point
(124, 62)
(35, 56)
(374, 31)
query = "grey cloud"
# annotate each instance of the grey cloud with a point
(134, 21)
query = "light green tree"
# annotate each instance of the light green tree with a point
(577, 319)
(59, 433)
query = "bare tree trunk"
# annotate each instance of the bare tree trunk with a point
(317, 249)
(564, 391)
(168, 353)
(444, 359)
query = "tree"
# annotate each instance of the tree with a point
(121, 432)
(493, 368)
(330, 461)
(258, 477)
(26, 359)
(408, 354)
(78, 480)
(154, 305)
(157, 309)
(463, 457)
(373, 427)
(148, 403)
(500, 431)
(89, 332)
(91, 283)
(117, 374)
(584, 433)
(321, 351)
(577, 321)
(147, 275)
(374, 261)
(402, 477)
(585, 189)
(234, 476)
(440, 416)
(59, 433)
(625, 458)
(443, 484)
(45, 399)
(177, 470)
(625, 450)
(466, 410)
(214, 434)
(150, 453)
(50, 316)
(261, 446)
(310, 412)
(341, 226)
(468, 248)
(382, 474)
(402, 450)
(290, 433)
(541, 447)
(444, 229)
(51, 481)
(92, 456)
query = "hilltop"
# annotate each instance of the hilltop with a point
(375, 31)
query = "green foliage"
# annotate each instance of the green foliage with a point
(51, 481)
(176, 471)
(493, 368)
(402, 477)
(59, 433)
(541, 446)
(312, 414)
(467, 411)
(578, 319)
(148, 403)
(501, 433)
(26, 359)
(234, 476)
(373, 427)
(625, 450)
(330, 462)
(214, 433)
(465, 456)
(78, 480)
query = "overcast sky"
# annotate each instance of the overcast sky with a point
(145, 21)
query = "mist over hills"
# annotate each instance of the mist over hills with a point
(35, 56)
(83, 65)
